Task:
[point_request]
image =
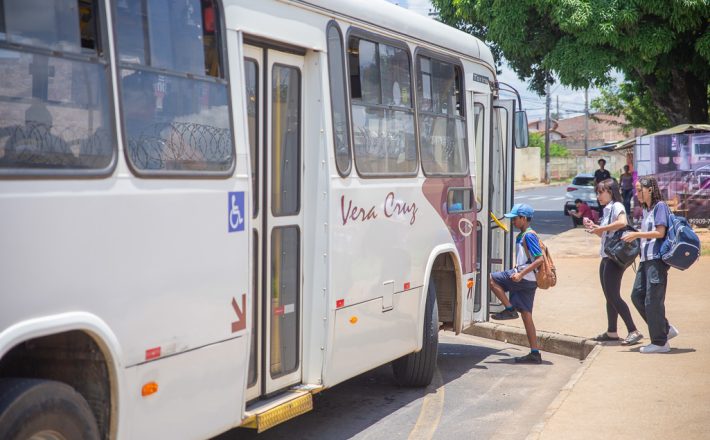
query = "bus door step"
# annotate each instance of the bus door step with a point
(265, 414)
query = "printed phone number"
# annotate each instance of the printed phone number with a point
(700, 221)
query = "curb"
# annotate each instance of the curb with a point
(566, 345)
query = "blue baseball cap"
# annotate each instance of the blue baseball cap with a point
(520, 209)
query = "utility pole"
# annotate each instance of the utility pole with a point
(557, 115)
(586, 122)
(547, 132)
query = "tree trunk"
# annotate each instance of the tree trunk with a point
(687, 100)
(698, 96)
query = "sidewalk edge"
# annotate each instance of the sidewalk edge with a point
(536, 430)
(566, 345)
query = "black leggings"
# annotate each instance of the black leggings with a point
(610, 276)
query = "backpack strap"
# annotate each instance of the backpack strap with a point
(525, 245)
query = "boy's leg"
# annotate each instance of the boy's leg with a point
(501, 282)
(530, 329)
(534, 357)
(499, 292)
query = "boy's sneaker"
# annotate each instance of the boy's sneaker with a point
(530, 358)
(505, 314)
(672, 332)
(653, 348)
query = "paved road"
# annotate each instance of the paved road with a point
(484, 394)
(548, 203)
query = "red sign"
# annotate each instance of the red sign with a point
(152, 353)
(279, 310)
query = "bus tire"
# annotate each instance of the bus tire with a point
(417, 369)
(44, 408)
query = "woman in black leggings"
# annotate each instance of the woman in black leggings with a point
(613, 219)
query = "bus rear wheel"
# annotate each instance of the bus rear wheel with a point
(417, 369)
(44, 409)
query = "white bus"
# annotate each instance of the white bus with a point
(211, 210)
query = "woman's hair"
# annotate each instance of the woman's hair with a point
(612, 187)
(652, 183)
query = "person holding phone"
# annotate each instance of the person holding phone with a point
(610, 274)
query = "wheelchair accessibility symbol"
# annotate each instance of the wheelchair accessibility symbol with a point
(235, 210)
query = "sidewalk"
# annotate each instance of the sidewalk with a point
(621, 393)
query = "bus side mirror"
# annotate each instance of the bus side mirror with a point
(520, 137)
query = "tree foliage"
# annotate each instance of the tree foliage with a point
(634, 103)
(556, 150)
(661, 46)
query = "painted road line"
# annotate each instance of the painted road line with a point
(432, 407)
(558, 198)
(538, 198)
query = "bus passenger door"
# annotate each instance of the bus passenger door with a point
(506, 113)
(275, 112)
(500, 191)
(480, 155)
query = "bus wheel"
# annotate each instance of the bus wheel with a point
(44, 409)
(417, 369)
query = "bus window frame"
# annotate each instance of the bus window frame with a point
(270, 139)
(356, 32)
(478, 180)
(346, 88)
(256, 174)
(224, 79)
(457, 63)
(102, 57)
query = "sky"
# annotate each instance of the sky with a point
(571, 102)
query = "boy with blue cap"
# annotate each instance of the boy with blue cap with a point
(520, 281)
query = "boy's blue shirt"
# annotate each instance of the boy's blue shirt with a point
(531, 240)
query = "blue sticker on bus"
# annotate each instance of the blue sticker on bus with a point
(235, 211)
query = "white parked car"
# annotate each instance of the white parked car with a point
(582, 187)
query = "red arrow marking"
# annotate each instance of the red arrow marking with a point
(241, 322)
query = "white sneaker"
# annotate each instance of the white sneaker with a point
(672, 332)
(652, 348)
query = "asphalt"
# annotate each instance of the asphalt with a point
(619, 392)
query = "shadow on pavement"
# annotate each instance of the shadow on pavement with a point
(353, 406)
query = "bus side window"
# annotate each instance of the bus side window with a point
(56, 113)
(382, 111)
(338, 99)
(175, 121)
(442, 124)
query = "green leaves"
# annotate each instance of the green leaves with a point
(661, 46)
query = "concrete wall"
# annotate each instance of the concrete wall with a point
(527, 164)
(529, 167)
(566, 167)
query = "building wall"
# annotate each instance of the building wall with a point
(527, 164)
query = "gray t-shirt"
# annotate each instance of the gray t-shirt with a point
(611, 213)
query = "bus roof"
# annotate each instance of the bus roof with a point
(397, 19)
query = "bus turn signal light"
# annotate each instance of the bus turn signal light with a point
(469, 283)
(149, 388)
(353, 320)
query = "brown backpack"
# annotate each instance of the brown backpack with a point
(546, 274)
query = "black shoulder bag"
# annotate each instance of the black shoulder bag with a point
(619, 251)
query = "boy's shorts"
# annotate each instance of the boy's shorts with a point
(522, 293)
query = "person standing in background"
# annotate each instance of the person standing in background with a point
(601, 174)
(626, 181)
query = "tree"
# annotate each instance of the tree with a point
(556, 150)
(661, 46)
(631, 101)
